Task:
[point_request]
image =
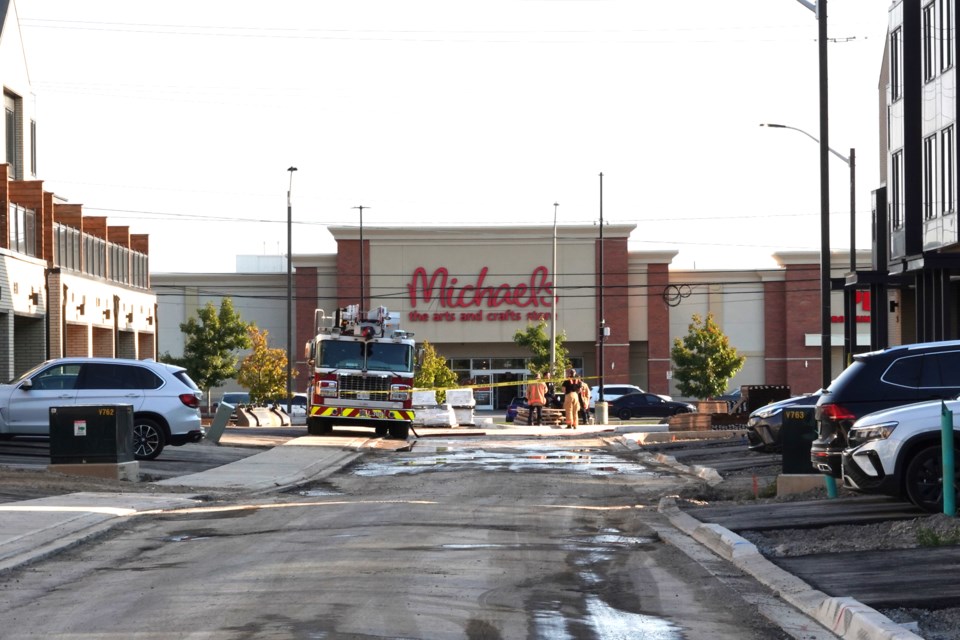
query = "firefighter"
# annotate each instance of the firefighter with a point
(571, 399)
(536, 398)
(584, 402)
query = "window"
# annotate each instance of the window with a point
(929, 43)
(896, 191)
(929, 177)
(904, 372)
(13, 122)
(66, 247)
(946, 34)
(896, 65)
(22, 230)
(947, 173)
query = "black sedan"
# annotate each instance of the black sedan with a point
(763, 425)
(647, 405)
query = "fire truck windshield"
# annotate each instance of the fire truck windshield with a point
(378, 356)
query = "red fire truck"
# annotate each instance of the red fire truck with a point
(362, 367)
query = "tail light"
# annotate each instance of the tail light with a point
(835, 413)
(190, 400)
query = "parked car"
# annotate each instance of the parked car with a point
(166, 402)
(881, 380)
(647, 405)
(613, 391)
(298, 404)
(515, 404)
(897, 452)
(731, 397)
(763, 425)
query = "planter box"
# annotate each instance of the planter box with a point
(690, 422)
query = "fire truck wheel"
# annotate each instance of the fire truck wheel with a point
(381, 431)
(399, 431)
(319, 427)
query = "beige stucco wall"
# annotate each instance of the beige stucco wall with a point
(512, 257)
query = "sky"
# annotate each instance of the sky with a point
(181, 118)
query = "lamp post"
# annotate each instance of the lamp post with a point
(849, 341)
(290, 292)
(553, 308)
(361, 208)
(601, 333)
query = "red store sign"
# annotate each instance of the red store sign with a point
(467, 302)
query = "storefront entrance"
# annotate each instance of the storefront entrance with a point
(495, 389)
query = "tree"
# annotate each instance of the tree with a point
(704, 361)
(264, 371)
(210, 350)
(434, 373)
(535, 338)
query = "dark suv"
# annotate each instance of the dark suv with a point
(881, 380)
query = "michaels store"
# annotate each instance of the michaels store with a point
(468, 290)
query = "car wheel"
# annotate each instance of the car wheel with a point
(924, 479)
(319, 427)
(148, 439)
(624, 414)
(400, 431)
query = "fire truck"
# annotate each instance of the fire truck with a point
(362, 367)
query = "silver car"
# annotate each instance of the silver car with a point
(165, 401)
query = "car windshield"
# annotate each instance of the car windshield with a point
(378, 356)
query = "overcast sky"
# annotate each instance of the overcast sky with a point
(180, 119)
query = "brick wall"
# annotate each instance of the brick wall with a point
(658, 330)
(616, 313)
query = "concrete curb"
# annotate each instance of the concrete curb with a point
(846, 617)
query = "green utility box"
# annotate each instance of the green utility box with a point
(797, 433)
(87, 434)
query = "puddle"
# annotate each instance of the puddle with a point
(186, 538)
(613, 624)
(314, 493)
(606, 622)
(589, 461)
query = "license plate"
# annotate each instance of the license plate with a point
(363, 395)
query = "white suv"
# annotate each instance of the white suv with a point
(897, 452)
(165, 401)
(613, 391)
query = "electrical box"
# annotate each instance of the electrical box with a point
(797, 433)
(86, 434)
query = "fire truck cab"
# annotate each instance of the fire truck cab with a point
(362, 367)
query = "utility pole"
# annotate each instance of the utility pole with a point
(556, 298)
(290, 293)
(362, 309)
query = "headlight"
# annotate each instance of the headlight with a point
(866, 433)
(400, 392)
(766, 412)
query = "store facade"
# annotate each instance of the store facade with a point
(468, 290)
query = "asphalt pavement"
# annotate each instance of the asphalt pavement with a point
(35, 529)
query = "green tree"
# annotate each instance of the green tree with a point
(536, 339)
(704, 361)
(264, 371)
(434, 373)
(210, 350)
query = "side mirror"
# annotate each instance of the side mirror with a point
(420, 356)
(27, 384)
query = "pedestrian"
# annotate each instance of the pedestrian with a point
(584, 402)
(571, 399)
(536, 398)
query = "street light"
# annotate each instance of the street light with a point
(553, 308)
(290, 293)
(849, 302)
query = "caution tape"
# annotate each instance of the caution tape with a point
(490, 385)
